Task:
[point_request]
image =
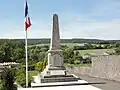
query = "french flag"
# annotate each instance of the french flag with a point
(27, 21)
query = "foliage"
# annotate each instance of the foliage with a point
(11, 51)
(117, 50)
(75, 40)
(69, 53)
(40, 66)
(82, 52)
(117, 44)
(8, 79)
(93, 46)
(63, 47)
(21, 77)
(14, 50)
(77, 62)
(71, 61)
(44, 64)
(89, 60)
(37, 53)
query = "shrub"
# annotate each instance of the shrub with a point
(89, 60)
(21, 77)
(8, 79)
(77, 62)
(71, 61)
(39, 66)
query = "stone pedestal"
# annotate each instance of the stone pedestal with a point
(55, 58)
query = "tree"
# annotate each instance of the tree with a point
(20, 77)
(8, 79)
(63, 47)
(70, 53)
(1, 55)
(71, 61)
(89, 60)
(76, 61)
(117, 44)
(11, 51)
(76, 53)
(7, 52)
(44, 64)
(117, 50)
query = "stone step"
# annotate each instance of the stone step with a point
(55, 76)
(57, 68)
(59, 79)
(79, 82)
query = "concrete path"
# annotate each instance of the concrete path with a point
(83, 85)
(105, 84)
(63, 88)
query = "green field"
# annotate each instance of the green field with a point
(37, 45)
(68, 44)
(82, 52)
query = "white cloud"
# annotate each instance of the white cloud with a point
(93, 29)
(74, 24)
(78, 28)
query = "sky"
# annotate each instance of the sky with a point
(91, 19)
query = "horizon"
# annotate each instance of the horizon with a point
(63, 38)
(77, 19)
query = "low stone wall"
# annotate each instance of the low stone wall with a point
(79, 70)
(106, 67)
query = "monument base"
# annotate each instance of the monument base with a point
(55, 74)
(59, 78)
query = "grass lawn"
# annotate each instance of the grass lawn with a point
(82, 52)
(37, 45)
(68, 44)
(33, 73)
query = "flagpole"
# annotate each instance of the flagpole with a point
(26, 50)
(27, 25)
(26, 60)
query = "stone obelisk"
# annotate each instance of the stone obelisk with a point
(55, 40)
(55, 70)
(55, 58)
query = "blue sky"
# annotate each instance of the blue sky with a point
(78, 18)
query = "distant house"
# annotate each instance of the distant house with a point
(95, 54)
(8, 65)
(82, 44)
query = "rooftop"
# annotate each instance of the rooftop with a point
(97, 54)
(8, 63)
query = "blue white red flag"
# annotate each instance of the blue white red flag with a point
(27, 21)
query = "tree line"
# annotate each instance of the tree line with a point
(14, 50)
(74, 40)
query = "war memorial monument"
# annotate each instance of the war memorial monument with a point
(55, 70)
(55, 75)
